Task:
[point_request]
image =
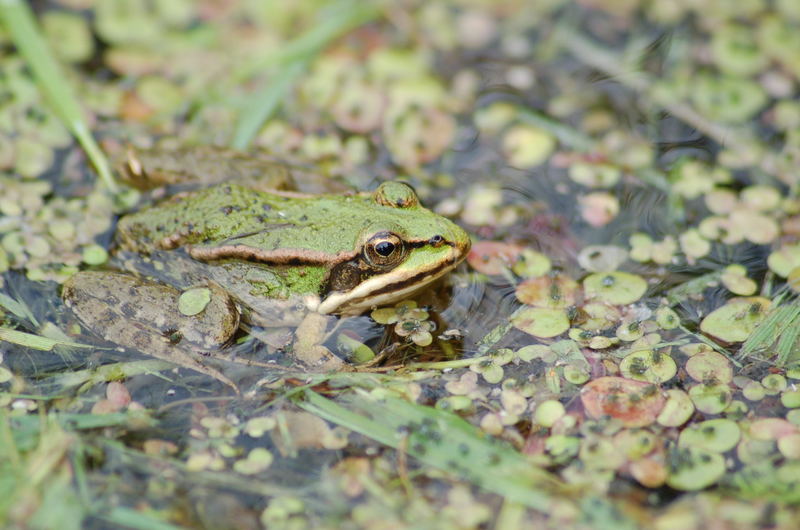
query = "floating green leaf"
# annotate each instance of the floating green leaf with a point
(695, 469)
(648, 365)
(618, 288)
(194, 301)
(541, 322)
(736, 320)
(717, 435)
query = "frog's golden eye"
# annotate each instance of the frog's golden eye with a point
(396, 195)
(384, 250)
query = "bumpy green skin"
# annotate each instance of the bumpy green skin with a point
(261, 227)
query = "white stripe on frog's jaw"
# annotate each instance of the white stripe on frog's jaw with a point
(387, 288)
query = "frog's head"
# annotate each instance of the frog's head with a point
(403, 248)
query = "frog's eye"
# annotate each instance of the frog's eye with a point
(396, 195)
(384, 250)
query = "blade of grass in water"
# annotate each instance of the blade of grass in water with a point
(27, 431)
(781, 325)
(121, 516)
(107, 372)
(445, 441)
(20, 23)
(19, 309)
(291, 61)
(786, 348)
(36, 342)
(264, 104)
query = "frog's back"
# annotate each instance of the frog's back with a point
(230, 221)
(229, 215)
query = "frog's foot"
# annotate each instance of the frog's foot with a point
(145, 316)
(308, 349)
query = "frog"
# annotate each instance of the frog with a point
(259, 254)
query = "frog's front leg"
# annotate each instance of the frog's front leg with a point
(145, 316)
(308, 349)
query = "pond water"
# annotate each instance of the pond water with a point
(620, 346)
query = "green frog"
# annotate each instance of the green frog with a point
(255, 254)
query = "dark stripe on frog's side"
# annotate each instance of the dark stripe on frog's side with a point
(283, 256)
(287, 256)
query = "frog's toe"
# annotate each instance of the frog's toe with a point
(318, 358)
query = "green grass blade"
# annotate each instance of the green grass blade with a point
(19, 309)
(786, 349)
(292, 60)
(108, 372)
(264, 105)
(336, 20)
(21, 25)
(779, 321)
(445, 441)
(27, 431)
(37, 342)
(123, 517)
(567, 135)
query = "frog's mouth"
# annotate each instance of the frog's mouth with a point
(392, 286)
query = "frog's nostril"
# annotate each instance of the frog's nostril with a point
(436, 240)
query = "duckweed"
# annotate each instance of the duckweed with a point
(648, 365)
(717, 435)
(736, 320)
(677, 410)
(194, 301)
(633, 403)
(597, 229)
(618, 288)
(541, 322)
(694, 469)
